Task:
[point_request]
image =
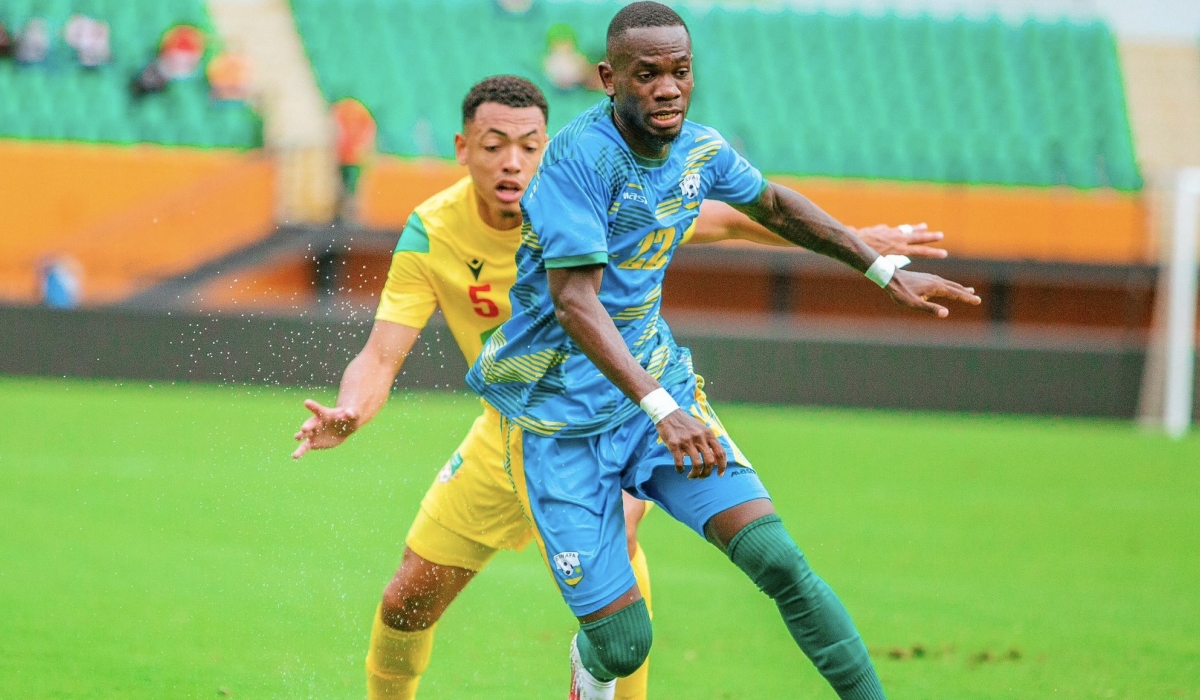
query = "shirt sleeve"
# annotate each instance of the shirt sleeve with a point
(568, 210)
(736, 181)
(408, 297)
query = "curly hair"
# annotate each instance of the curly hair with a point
(507, 90)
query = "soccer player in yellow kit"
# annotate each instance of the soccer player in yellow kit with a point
(457, 251)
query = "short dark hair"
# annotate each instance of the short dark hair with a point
(636, 15)
(507, 90)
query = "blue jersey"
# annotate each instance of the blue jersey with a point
(593, 201)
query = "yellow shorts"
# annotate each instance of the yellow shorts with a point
(471, 510)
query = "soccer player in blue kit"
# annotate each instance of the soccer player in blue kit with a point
(596, 396)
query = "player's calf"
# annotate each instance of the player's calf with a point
(817, 620)
(402, 636)
(396, 660)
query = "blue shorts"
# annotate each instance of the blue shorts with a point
(571, 488)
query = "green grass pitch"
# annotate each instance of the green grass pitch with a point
(157, 542)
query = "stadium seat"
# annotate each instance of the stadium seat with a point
(59, 100)
(807, 94)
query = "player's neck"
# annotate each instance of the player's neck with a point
(495, 218)
(641, 143)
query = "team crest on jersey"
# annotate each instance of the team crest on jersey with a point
(447, 473)
(690, 185)
(567, 564)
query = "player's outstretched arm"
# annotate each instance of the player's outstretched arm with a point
(365, 386)
(579, 311)
(793, 217)
(719, 221)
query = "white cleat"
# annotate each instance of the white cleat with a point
(583, 685)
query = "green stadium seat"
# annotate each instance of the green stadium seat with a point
(60, 100)
(814, 94)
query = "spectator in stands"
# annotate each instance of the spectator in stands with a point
(179, 56)
(33, 43)
(565, 66)
(180, 52)
(229, 77)
(89, 37)
(6, 42)
(60, 284)
(150, 80)
(354, 139)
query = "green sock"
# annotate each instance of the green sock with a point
(817, 620)
(617, 645)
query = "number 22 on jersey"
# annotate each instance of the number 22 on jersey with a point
(652, 251)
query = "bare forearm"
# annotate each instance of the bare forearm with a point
(366, 385)
(720, 222)
(368, 378)
(794, 218)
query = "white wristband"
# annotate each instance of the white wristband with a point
(658, 404)
(884, 268)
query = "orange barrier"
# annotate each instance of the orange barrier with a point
(129, 215)
(1011, 223)
(987, 221)
(392, 187)
(232, 208)
(133, 215)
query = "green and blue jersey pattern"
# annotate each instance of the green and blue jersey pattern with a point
(593, 201)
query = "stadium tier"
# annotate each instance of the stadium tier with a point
(57, 99)
(806, 94)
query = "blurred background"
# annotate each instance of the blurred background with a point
(199, 200)
(165, 164)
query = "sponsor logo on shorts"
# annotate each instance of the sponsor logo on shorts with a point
(567, 564)
(447, 473)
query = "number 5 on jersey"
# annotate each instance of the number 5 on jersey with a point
(483, 306)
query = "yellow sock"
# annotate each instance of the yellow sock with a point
(396, 661)
(633, 686)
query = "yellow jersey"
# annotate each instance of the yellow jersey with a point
(448, 257)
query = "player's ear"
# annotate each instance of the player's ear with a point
(460, 148)
(606, 76)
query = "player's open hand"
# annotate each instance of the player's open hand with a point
(915, 289)
(911, 241)
(327, 427)
(685, 436)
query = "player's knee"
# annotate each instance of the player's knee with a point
(620, 643)
(786, 570)
(772, 560)
(627, 653)
(408, 608)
